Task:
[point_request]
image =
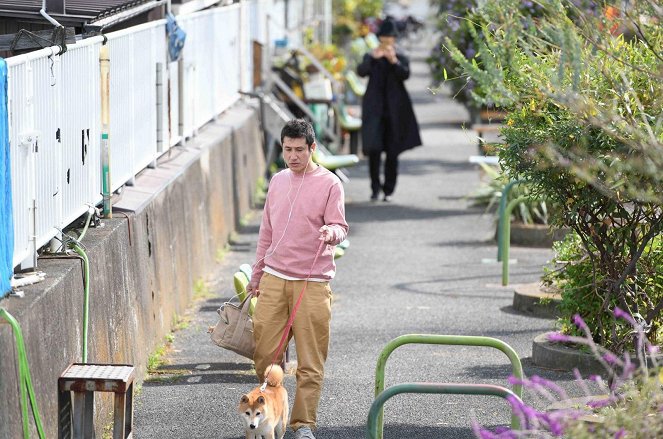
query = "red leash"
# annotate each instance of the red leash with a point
(291, 320)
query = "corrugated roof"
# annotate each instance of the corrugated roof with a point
(81, 8)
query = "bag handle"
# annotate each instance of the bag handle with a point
(247, 302)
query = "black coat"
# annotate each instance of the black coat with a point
(388, 120)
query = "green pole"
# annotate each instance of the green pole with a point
(25, 380)
(458, 340)
(374, 424)
(86, 296)
(506, 236)
(500, 216)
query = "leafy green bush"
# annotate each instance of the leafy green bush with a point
(459, 28)
(572, 273)
(586, 132)
(452, 24)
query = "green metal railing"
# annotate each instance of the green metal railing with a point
(505, 234)
(25, 381)
(374, 423)
(458, 340)
(501, 218)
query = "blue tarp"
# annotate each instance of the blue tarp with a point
(176, 38)
(6, 220)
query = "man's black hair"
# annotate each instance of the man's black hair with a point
(298, 129)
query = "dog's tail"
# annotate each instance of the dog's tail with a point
(274, 376)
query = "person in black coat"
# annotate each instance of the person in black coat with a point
(388, 121)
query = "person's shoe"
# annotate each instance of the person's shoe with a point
(304, 433)
(375, 196)
(387, 198)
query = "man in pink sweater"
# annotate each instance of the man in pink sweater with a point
(303, 220)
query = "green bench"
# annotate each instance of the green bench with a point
(355, 83)
(351, 125)
(334, 163)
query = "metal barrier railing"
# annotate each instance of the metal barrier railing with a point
(374, 423)
(500, 216)
(458, 340)
(505, 234)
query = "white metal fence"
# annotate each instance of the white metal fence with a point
(55, 108)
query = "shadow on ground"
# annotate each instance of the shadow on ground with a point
(400, 431)
(201, 373)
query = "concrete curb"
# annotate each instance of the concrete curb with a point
(535, 235)
(560, 357)
(527, 299)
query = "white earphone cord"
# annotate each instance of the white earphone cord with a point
(292, 204)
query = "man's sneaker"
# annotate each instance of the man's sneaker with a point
(304, 433)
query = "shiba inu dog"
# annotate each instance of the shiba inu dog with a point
(265, 412)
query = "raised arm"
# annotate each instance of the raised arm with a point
(336, 228)
(364, 69)
(402, 67)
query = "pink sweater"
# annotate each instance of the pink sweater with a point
(289, 247)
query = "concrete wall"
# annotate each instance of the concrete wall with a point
(165, 234)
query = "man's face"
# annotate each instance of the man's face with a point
(296, 154)
(386, 41)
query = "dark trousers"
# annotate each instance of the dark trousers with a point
(390, 172)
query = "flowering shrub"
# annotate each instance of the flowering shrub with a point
(572, 274)
(585, 132)
(459, 28)
(454, 26)
(631, 405)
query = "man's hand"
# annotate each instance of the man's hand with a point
(377, 53)
(326, 234)
(390, 54)
(252, 288)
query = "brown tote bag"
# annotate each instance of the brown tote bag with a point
(235, 328)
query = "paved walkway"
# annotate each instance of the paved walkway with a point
(414, 266)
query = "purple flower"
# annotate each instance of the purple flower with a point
(578, 321)
(610, 358)
(549, 384)
(600, 403)
(653, 349)
(486, 434)
(552, 423)
(629, 367)
(530, 412)
(620, 313)
(558, 337)
(620, 434)
(515, 381)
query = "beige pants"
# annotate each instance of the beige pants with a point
(310, 329)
